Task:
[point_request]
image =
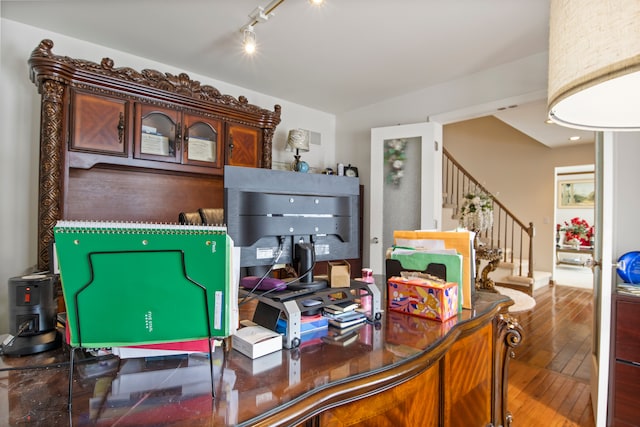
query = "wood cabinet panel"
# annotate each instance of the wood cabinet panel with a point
(454, 391)
(627, 393)
(243, 146)
(624, 407)
(467, 368)
(628, 330)
(413, 403)
(99, 124)
(113, 195)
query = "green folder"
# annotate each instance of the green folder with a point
(127, 283)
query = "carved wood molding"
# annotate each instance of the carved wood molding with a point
(509, 336)
(180, 84)
(51, 163)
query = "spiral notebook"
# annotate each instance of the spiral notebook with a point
(141, 283)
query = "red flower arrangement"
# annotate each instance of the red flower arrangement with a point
(577, 229)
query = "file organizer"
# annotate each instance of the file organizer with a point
(136, 283)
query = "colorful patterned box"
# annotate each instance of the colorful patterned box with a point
(423, 297)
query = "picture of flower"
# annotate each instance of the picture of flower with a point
(476, 212)
(577, 231)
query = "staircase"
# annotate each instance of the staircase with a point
(515, 269)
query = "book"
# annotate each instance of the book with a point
(341, 307)
(346, 321)
(140, 283)
(345, 316)
(343, 331)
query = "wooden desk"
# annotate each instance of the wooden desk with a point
(582, 250)
(403, 371)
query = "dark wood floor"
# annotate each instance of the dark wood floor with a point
(549, 377)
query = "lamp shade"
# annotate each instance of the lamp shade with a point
(299, 140)
(594, 64)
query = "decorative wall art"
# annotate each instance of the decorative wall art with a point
(576, 193)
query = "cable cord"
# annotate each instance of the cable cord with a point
(251, 294)
(23, 326)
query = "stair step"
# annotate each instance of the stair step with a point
(524, 283)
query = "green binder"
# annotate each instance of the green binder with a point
(128, 283)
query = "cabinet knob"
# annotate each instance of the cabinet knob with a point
(230, 145)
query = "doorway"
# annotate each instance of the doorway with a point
(573, 206)
(404, 195)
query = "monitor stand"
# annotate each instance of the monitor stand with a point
(305, 258)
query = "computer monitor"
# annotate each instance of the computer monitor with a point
(282, 217)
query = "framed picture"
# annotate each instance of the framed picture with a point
(576, 194)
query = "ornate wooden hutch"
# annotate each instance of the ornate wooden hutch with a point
(121, 144)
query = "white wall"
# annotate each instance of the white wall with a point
(19, 137)
(472, 96)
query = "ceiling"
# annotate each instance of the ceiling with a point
(335, 58)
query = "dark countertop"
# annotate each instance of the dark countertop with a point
(281, 387)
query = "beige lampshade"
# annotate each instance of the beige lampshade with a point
(298, 140)
(594, 64)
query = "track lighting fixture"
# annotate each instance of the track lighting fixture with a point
(249, 40)
(257, 16)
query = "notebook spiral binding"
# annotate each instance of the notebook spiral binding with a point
(124, 227)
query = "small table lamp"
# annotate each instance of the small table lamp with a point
(298, 140)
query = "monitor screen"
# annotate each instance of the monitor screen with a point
(272, 212)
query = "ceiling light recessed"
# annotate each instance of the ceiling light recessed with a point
(574, 138)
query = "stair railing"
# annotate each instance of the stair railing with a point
(508, 232)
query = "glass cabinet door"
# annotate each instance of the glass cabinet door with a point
(157, 134)
(202, 144)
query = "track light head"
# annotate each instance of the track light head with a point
(249, 39)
